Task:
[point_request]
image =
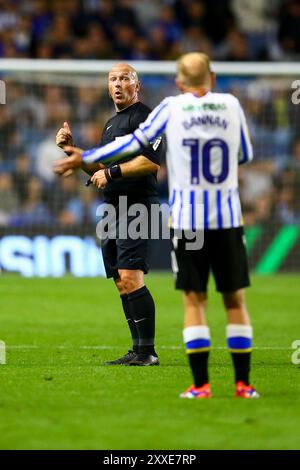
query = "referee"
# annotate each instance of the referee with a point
(127, 260)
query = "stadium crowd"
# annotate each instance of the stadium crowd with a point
(157, 30)
(30, 195)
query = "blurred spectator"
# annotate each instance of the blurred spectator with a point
(235, 47)
(88, 100)
(168, 23)
(256, 19)
(8, 15)
(142, 49)
(288, 207)
(289, 27)
(22, 36)
(99, 46)
(124, 40)
(45, 154)
(194, 39)
(6, 126)
(41, 21)
(88, 134)
(60, 41)
(159, 43)
(56, 106)
(21, 175)
(8, 198)
(82, 209)
(61, 192)
(260, 211)
(33, 211)
(219, 19)
(295, 162)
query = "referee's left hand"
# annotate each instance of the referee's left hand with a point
(99, 179)
(74, 160)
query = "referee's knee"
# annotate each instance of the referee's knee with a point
(131, 279)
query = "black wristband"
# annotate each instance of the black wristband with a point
(115, 172)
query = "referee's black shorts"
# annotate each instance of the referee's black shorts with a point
(121, 252)
(223, 252)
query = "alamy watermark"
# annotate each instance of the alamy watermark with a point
(295, 357)
(2, 353)
(2, 92)
(296, 93)
(149, 221)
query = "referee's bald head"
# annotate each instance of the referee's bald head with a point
(193, 70)
(125, 68)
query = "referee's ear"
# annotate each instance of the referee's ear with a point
(138, 86)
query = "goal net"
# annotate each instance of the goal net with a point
(47, 224)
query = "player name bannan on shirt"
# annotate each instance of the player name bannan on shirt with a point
(206, 120)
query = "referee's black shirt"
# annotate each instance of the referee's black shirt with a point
(125, 122)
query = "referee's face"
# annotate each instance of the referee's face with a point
(123, 86)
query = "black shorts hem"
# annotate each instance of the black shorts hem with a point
(228, 289)
(115, 274)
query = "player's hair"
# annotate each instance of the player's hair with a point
(193, 69)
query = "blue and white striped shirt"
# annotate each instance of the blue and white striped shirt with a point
(207, 138)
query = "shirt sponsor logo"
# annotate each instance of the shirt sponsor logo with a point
(205, 107)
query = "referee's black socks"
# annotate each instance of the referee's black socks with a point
(130, 321)
(142, 309)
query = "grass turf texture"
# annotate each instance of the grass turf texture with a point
(57, 394)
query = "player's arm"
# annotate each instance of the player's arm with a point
(64, 138)
(129, 144)
(246, 149)
(138, 166)
(91, 168)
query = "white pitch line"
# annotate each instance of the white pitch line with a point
(104, 347)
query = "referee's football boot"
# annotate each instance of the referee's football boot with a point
(193, 392)
(124, 360)
(143, 359)
(243, 390)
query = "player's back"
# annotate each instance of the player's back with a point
(207, 138)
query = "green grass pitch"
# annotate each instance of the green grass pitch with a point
(55, 393)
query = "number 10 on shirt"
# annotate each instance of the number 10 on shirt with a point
(206, 152)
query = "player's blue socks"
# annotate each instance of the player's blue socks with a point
(239, 341)
(197, 343)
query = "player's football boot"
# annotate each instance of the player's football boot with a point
(122, 360)
(245, 391)
(142, 359)
(193, 392)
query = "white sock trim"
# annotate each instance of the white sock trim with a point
(196, 332)
(232, 331)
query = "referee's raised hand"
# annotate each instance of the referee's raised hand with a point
(64, 136)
